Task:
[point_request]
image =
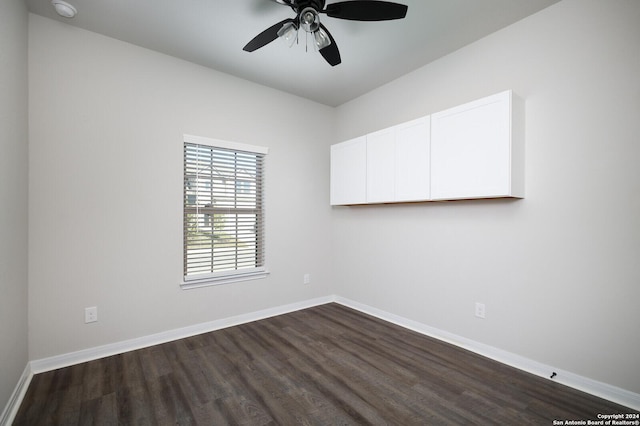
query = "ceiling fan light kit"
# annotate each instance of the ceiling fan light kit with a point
(322, 39)
(308, 18)
(288, 33)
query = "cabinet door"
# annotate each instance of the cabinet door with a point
(412, 174)
(349, 172)
(470, 150)
(380, 166)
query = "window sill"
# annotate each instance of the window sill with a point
(210, 281)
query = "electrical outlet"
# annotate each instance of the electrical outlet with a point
(90, 314)
(480, 310)
(307, 279)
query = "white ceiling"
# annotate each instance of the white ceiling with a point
(213, 32)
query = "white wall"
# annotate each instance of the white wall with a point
(106, 123)
(559, 271)
(13, 195)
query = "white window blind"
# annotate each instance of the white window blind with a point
(223, 225)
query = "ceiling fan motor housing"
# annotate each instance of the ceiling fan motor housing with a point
(300, 5)
(309, 19)
(308, 14)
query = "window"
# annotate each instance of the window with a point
(223, 219)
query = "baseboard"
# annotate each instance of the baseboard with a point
(11, 409)
(90, 354)
(602, 390)
(593, 387)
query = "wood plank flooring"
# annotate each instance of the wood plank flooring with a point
(327, 365)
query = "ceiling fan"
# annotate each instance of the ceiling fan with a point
(308, 18)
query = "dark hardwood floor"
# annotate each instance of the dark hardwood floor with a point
(327, 365)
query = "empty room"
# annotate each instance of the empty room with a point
(319, 212)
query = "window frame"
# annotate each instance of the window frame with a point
(228, 276)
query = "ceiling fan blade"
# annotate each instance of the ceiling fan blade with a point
(266, 37)
(366, 10)
(331, 52)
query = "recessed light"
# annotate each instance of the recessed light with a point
(64, 9)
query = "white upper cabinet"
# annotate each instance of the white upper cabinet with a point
(381, 166)
(412, 171)
(349, 172)
(477, 149)
(398, 163)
